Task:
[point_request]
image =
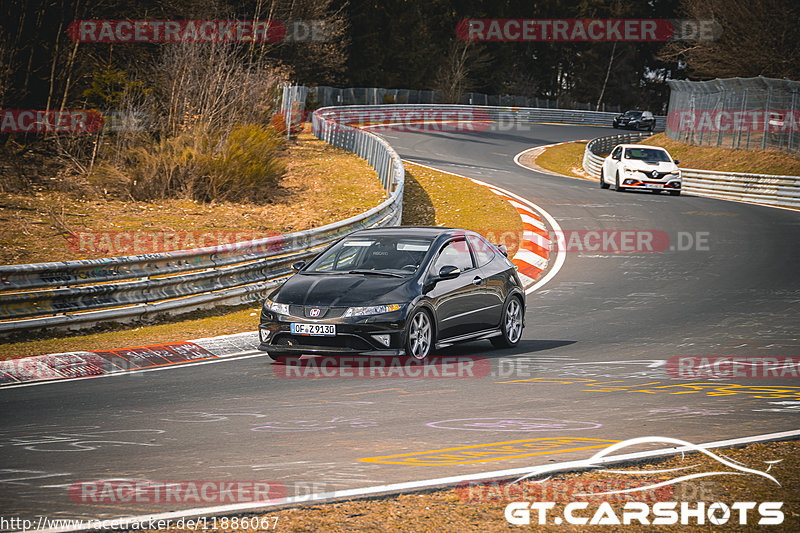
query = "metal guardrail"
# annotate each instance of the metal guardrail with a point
(79, 294)
(83, 293)
(766, 189)
(597, 149)
(503, 115)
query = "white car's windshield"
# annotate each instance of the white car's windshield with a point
(650, 155)
(366, 255)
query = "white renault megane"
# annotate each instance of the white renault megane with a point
(638, 166)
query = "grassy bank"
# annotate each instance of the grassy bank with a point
(727, 160)
(322, 185)
(567, 158)
(564, 159)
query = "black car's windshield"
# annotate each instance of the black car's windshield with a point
(650, 155)
(633, 114)
(393, 256)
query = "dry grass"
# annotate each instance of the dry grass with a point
(435, 198)
(727, 160)
(564, 159)
(322, 185)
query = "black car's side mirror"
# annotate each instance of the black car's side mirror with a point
(449, 272)
(298, 266)
(446, 272)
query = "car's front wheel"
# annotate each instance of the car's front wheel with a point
(603, 184)
(511, 326)
(419, 335)
(617, 185)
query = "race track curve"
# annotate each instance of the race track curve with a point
(591, 367)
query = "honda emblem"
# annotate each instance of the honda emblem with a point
(313, 312)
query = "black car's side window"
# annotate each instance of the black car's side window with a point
(454, 253)
(483, 249)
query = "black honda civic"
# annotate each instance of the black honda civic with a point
(395, 291)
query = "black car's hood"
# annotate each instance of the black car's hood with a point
(342, 290)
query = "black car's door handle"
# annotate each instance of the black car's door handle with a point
(477, 281)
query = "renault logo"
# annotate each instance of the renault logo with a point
(654, 173)
(313, 312)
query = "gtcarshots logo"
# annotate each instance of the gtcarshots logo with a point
(586, 30)
(383, 367)
(660, 513)
(641, 512)
(124, 491)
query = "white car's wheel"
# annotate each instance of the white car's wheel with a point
(603, 184)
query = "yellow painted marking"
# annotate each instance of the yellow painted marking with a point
(708, 389)
(481, 453)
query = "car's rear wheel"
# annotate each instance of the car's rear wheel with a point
(603, 184)
(419, 335)
(511, 325)
(617, 185)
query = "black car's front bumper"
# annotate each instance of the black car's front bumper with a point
(354, 335)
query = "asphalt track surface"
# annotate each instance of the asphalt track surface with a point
(591, 367)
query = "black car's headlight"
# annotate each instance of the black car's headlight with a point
(371, 310)
(275, 307)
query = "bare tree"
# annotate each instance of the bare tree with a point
(453, 78)
(758, 37)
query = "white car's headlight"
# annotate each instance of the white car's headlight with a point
(627, 170)
(278, 308)
(371, 310)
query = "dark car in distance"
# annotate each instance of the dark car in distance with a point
(635, 120)
(396, 291)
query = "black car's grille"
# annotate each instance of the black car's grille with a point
(306, 311)
(350, 342)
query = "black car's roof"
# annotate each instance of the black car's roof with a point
(412, 231)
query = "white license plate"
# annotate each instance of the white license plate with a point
(654, 185)
(313, 329)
